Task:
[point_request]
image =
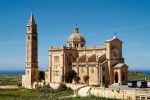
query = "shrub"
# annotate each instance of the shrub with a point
(19, 84)
(86, 78)
(62, 87)
(76, 79)
(45, 89)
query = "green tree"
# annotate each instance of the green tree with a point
(76, 79)
(70, 75)
(86, 78)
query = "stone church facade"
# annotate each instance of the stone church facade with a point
(103, 64)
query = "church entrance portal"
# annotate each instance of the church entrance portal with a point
(104, 79)
(116, 77)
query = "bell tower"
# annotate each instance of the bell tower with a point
(31, 71)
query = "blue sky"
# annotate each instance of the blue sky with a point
(97, 20)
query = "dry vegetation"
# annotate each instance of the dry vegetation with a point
(135, 75)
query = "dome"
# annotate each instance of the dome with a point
(76, 37)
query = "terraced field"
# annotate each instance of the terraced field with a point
(10, 79)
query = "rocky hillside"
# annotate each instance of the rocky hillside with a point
(136, 75)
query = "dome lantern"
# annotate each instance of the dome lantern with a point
(76, 29)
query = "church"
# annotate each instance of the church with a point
(103, 64)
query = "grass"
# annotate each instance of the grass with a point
(24, 94)
(88, 98)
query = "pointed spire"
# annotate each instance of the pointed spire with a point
(31, 19)
(115, 35)
(76, 29)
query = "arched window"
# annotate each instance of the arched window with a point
(34, 38)
(77, 44)
(28, 37)
(28, 72)
(56, 58)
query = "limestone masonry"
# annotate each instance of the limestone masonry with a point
(103, 64)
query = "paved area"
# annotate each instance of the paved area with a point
(118, 86)
(125, 87)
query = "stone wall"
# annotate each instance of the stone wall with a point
(23, 80)
(127, 94)
(56, 85)
(69, 85)
(74, 86)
